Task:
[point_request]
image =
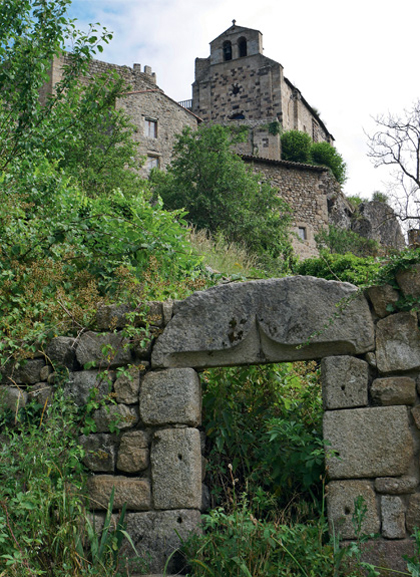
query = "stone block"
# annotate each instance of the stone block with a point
(371, 442)
(84, 384)
(133, 454)
(266, 321)
(398, 343)
(413, 513)
(45, 372)
(156, 536)
(392, 517)
(61, 351)
(13, 398)
(341, 497)
(380, 297)
(387, 554)
(111, 317)
(41, 392)
(415, 412)
(132, 491)
(26, 373)
(394, 391)
(396, 485)
(171, 397)
(127, 387)
(100, 452)
(176, 469)
(409, 281)
(91, 346)
(344, 382)
(120, 416)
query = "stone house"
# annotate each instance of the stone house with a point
(157, 117)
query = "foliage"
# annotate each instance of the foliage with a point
(221, 194)
(238, 544)
(341, 241)
(43, 511)
(355, 200)
(265, 423)
(360, 271)
(296, 146)
(380, 197)
(62, 251)
(324, 154)
(396, 143)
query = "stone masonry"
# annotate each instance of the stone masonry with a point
(371, 392)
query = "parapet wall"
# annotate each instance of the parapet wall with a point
(371, 386)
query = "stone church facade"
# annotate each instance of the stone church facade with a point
(237, 85)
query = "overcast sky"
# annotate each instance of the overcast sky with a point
(351, 60)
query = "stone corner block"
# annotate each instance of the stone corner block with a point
(341, 498)
(176, 469)
(344, 382)
(369, 442)
(172, 396)
(132, 491)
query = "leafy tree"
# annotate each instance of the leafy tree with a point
(296, 146)
(221, 194)
(324, 154)
(396, 143)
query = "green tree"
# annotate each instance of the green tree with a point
(296, 146)
(221, 193)
(325, 154)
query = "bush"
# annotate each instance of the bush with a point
(344, 268)
(324, 154)
(45, 526)
(296, 146)
(341, 241)
(265, 423)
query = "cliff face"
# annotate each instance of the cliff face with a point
(373, 220)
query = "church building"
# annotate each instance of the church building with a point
(238, 85)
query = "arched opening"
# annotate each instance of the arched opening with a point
(227, 50)
(243, 47)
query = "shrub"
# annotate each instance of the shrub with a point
(265, 423)
(341, 241)
(296, 146)
(324, 154)
(360, 271)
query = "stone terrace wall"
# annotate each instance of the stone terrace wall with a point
(371, 387)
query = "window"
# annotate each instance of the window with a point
(227, 50)
(243, 49)
(302, 233)
(152, 162)
(150, 128)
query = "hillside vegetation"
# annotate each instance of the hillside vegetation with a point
(79, 228)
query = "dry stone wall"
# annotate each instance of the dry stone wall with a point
(371, 393)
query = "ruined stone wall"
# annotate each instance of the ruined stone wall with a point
(305, 188)
(371, 392)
